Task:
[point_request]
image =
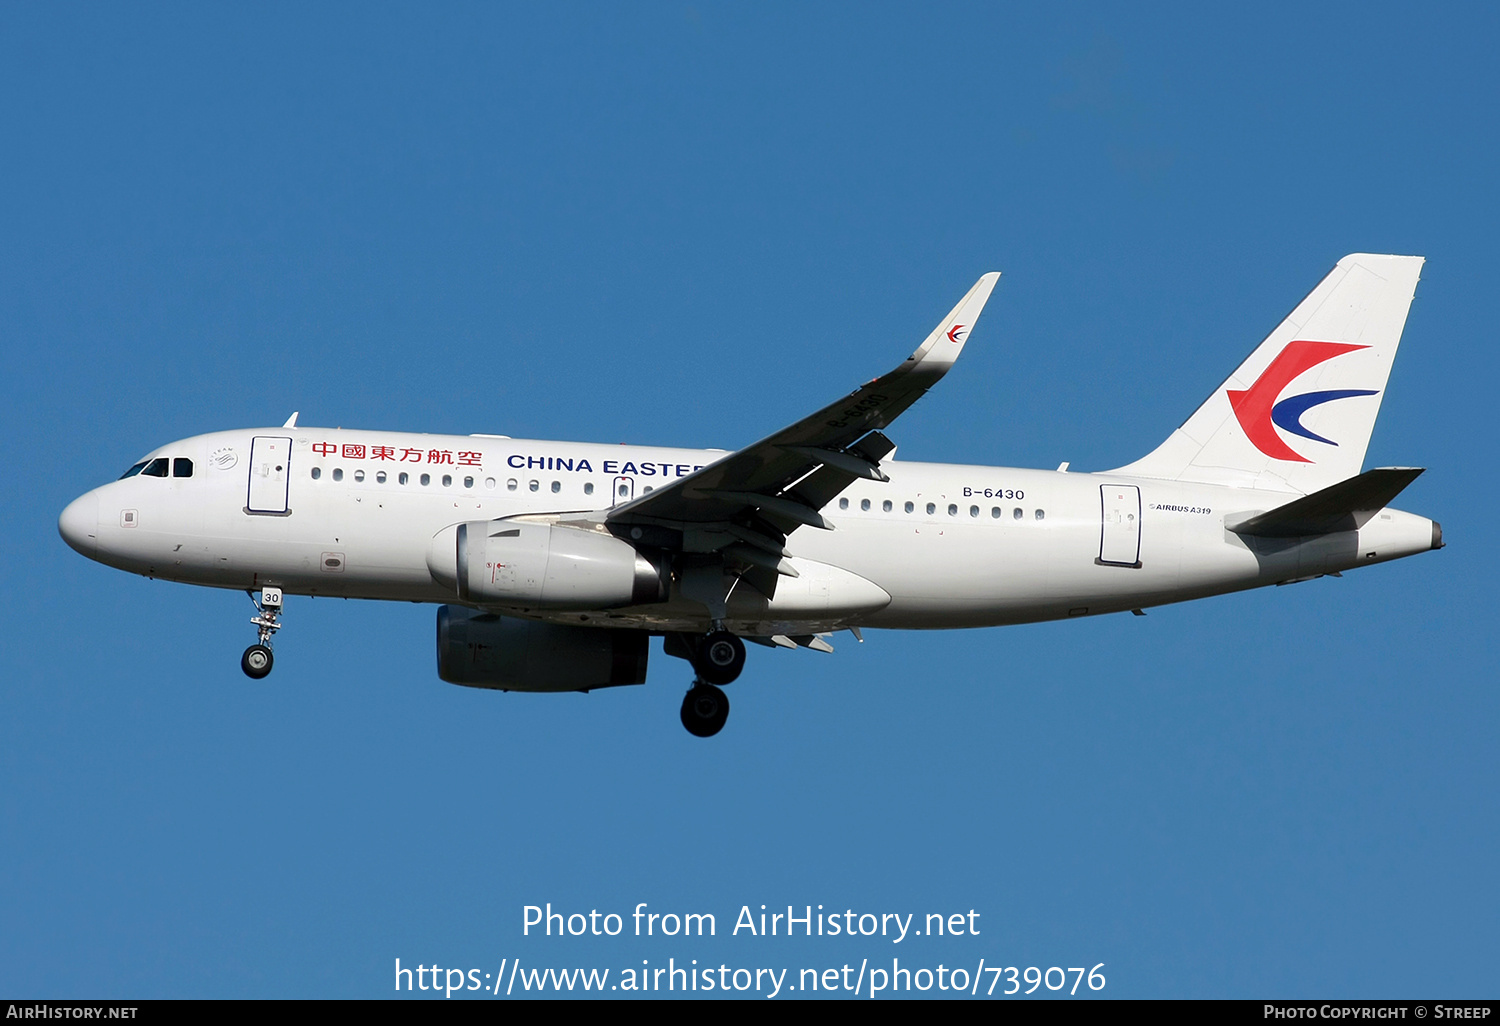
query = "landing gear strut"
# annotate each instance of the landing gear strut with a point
(257, 660)
(704, 710)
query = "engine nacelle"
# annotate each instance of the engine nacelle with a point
(481, 650)
(544, 566)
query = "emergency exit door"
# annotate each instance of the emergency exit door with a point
(1120, 532)
(270, 470)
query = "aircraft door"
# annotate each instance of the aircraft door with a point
(624, 490)
(1120, 532)
(270, 472)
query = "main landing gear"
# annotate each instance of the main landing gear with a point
(721, 657)
(257, 660)
(704, 710)
(718, 657)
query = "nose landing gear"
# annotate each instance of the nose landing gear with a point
(257, 660)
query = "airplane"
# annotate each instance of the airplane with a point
(555, 563)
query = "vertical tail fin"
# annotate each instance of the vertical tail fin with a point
(1298, 413)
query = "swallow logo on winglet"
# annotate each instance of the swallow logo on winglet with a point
(957, 333)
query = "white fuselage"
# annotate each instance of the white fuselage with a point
(936, 546)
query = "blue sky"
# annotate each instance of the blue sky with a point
(690, 224)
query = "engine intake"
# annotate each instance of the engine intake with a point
(544, 566)
(481, 650)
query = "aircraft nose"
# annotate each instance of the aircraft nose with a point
(79, 524)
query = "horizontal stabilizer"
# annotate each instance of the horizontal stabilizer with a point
(1346, 506)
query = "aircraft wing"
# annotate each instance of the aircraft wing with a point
(780, 483)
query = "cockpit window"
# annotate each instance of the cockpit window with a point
(182, 467)
(134, 470)
(156, 468)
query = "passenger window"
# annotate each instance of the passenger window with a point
(995, 512)
(182, 467)
(973, 511)
(588, 488)
(886, 505)
(510, 485)
(380, 477)
(468, 482)
(953, 509)
(864, 504)
(338, 474)
(359, 475)
(1017, 514)
(403, 478)
(649, 489)
(843, 504)
(1041, 514)
(910, 506)
(425, 480)
(447, 480)
(931, 508)
(156, 468)
(556, 487)
(317, 472)
(134, 470)
(489, 482)
(534, 485)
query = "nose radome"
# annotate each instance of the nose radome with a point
(79, 524)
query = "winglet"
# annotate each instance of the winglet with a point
(942, 347)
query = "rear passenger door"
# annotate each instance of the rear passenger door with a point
(1120, 528)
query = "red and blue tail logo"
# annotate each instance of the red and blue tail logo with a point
(1258, 408)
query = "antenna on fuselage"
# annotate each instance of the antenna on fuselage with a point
(291, 421)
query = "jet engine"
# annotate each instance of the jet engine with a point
(544, 566)
(481, 650)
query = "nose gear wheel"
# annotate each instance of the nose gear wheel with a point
(257, 661)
